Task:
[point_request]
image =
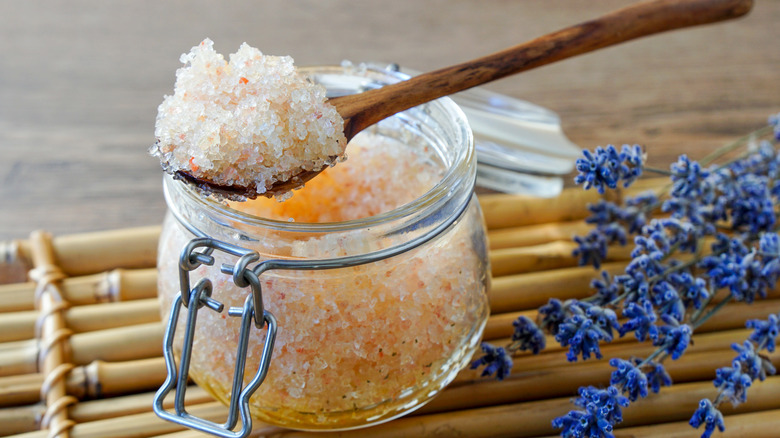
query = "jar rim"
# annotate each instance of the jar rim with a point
(455, 175)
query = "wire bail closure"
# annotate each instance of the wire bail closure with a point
(193, 299)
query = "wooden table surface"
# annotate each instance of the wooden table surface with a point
(80, 82)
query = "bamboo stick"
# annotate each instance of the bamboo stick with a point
(20, 419)
(533, 289)
(761, 424)
(534, 418)
(96, 380)
(19, 358)
(530, 235)
(17, 326)
(545, 257)
(139, 425)
(148, 424)
(21, 325)
(108, 408)
(115, 285)
(17, 297)
(20, 389)
(134, 342)
(505, 211)
(108, 379)
(98, 251)
(113, 345)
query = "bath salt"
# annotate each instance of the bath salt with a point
(248, 122)
(381, 174)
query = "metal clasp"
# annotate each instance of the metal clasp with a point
(195, 298)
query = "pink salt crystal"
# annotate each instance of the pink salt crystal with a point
(249, 122)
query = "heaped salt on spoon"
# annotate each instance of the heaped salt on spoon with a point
(280, 131)
(245, 127)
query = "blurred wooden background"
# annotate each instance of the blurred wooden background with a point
(80, 82)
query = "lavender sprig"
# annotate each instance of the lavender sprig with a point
(496, 361)
(605, 167)
(665, 291)
(748, 366)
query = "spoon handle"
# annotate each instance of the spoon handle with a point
(635, 21)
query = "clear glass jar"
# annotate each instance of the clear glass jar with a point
(357, 345)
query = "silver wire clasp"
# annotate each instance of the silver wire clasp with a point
(193, 299)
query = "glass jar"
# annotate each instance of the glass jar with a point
(355, 345)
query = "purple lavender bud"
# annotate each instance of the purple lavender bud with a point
(708, 415)
(605, 167)
(640, 318)
(551, 315)
(527, 336)
(658, 376)
(668, 301)
(628, 378)
(764, 332)
(753, 364)
(732, 383)
(774, 120)
(673, 337)
(606, 288)
(592, 249)
(496, 361)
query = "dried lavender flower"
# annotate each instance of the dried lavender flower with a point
(641, 317)
(551, 315)
(754, 364)
(732, 383)
(774, 120)
(526, 336)
(605, 167)
(496, 361)
(602, 412)
(584, 329)
(606, 289)
(591, 249)
(673, 337)
(629, 378)
(657, 376)
(708, 415)
(764, 332)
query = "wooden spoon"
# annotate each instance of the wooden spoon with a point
(641, 19)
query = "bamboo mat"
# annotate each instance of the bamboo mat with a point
(81, 341)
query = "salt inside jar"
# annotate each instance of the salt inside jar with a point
(378, 337)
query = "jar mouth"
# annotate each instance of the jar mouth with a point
(459, 173)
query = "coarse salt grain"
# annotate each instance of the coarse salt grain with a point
(366, 185)
(249, 122)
